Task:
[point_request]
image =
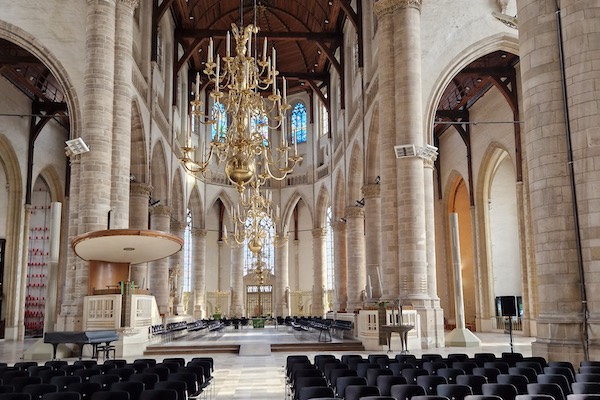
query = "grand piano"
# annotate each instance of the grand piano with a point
(81, 339)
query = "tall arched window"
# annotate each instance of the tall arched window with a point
(267, 253)
(221, 118)
(299, 122)
(187, 253)
(330, 250)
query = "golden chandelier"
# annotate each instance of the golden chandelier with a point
(240, 86)
(255, 220)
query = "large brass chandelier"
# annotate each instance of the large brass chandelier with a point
(254, 219)
(252, 104)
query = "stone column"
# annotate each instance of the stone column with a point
(555, 221)
(319, 271)
(355, 240)
(340, 266)
(158, 271)
(139, 195)
(282, 279)
(71, 306)
(237, 281)
(121, 134)
(177, 261)
(372, 209)
(198, 272)
(384, 9)
(434, 331)
(98, 85)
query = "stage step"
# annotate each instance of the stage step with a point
(321, 346)
(166, 349)
(235, 348)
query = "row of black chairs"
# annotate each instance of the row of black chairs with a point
(88, 380)
(455, 377)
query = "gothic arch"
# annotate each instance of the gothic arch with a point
(339, 199)
(355, 175)
(488, 45)
(52, 179)
(195, 207)
(33, 45)
(321, 208)
(177, 197)
(373, 151)
(13, 275)
(139, 151)
(288, 211)
(158, 175)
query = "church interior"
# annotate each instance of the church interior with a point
(338, 166)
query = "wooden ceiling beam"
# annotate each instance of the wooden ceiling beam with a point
(162, 9)
(182, 34)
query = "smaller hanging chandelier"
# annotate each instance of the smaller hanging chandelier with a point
(241, 84)
(254, 219)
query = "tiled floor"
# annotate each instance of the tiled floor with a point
(262, 377)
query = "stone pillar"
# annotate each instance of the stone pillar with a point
(372, 209)
(139, 195)
(71, 306)
(282, 279)
(340, 266)
(198, 272)
(560, 321)
(384, 9)
(433, 332)
(98, 85)
(237, 281)
(121, 134)
(158, 271)
(319, 271)
(176, 262)
(355, 240)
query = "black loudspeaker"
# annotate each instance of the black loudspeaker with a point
(509, 306)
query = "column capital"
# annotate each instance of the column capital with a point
(161, 210)
(429, 162)
(384, 7)
(131, 3)
(355, 212)
(338, 226)
(140, 189)
(197, 232)
(178, 226)
(319, 232)
(371, 191)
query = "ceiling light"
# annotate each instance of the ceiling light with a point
(330, 2)
(326, 20)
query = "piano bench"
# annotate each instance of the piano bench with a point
(105, 350)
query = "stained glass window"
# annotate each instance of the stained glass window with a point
(221, 118)
(261, 125)
(299, 123)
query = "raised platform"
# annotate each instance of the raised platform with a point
(281, 339)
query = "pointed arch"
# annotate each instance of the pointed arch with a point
(158, 175)
(372, 166)
(13, 275)
(339, 198)
(139, 150)
(288, 211)
(501, 41)
(50, 176)
(177, 197)
(195, 207)
(32, 44)
(355, 175)
(321, 208)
